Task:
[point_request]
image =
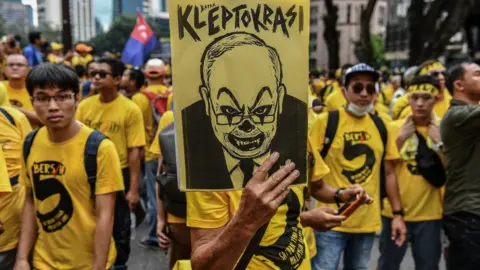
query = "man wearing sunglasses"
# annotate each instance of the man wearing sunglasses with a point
(401, 108)
(121, 120)
(359, 150)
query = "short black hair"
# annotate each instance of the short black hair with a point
(33, 36)
(138, 76)
(454, 73)
(80, 70)
(52, 75)
(117, 66)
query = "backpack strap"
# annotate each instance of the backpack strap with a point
(90, 158)
(27, 144)
(251, 248)
(382, 129)
(8, 116)
(330, 131)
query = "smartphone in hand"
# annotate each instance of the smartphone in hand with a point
(349, 207)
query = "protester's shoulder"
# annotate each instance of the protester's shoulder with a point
(89, 100)
(128, 104)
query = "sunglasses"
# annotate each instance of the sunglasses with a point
(102, 74)
(358, 87)
(436, 73)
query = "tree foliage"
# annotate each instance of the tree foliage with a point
(331, 34)
(431, 25)
(49, 34)
(378, 50)
(363, 47)
(117, 36)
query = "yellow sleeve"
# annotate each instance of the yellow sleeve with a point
(135, 128)
(392, 150)
(75, 61)
(169, 102)
(109, 172)
(207, 210)
(4, 179)
(144, 104)
(316, 139)
(23, 124)
(167, 119)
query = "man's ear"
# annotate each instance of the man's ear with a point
(459, 85)
(282, 91)
(344, 92)
(205, 94)
(117, 80)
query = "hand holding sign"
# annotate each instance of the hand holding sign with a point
(262, 197)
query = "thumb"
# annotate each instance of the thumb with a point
(328, 210)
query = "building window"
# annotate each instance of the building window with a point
(313, 21)
(349, 12)
(381, 15)
(313, 37)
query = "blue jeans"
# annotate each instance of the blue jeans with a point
(150, 184)
(426, 245)
(330, 246)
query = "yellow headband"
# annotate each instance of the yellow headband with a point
(436, 66)
(423, 88)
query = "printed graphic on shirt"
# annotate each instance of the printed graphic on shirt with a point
(354, 148)
(45, 186)
(106, 127)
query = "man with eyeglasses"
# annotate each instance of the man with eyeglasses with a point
(358, 148)
(66, 224)
(121, 120)
(16, 70)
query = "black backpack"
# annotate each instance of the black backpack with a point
(121, 224)
(331, 130)
(175, 201)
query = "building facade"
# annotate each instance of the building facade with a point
(348, 25)
(130, 7)
(30, 18)
(82, 17)
(15, 17)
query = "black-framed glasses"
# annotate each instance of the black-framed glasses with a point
(60, 98)
(437, 73)
(261, 115)
(358, 87)
(102, 74)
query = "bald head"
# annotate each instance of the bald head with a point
(16, 67)
(234, 42)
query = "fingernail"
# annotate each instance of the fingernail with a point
(296, 173)
(275, 155)
(291, 165)
(288, 161)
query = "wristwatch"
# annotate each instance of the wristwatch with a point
(438, 147)
(337, 197)
(400, 212)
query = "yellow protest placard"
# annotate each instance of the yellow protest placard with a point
(240, 70)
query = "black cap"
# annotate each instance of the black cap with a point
(360, 69)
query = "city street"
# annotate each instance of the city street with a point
(144, 259)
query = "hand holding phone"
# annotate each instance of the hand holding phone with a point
(350, 207)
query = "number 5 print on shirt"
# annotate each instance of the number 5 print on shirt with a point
(352, 151)
(44, 189)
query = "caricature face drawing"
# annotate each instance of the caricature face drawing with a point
(243, 111)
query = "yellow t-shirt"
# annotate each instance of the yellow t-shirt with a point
(121, 120)
(4, 179)
(354, 158)
(401, 109)
(143, 103)
(421, 201)
(283, 246)
(386, 96)
(158, 89)
(79, 60)
(19, 97)
(65, 212)
(11, 205)
(167, 119)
